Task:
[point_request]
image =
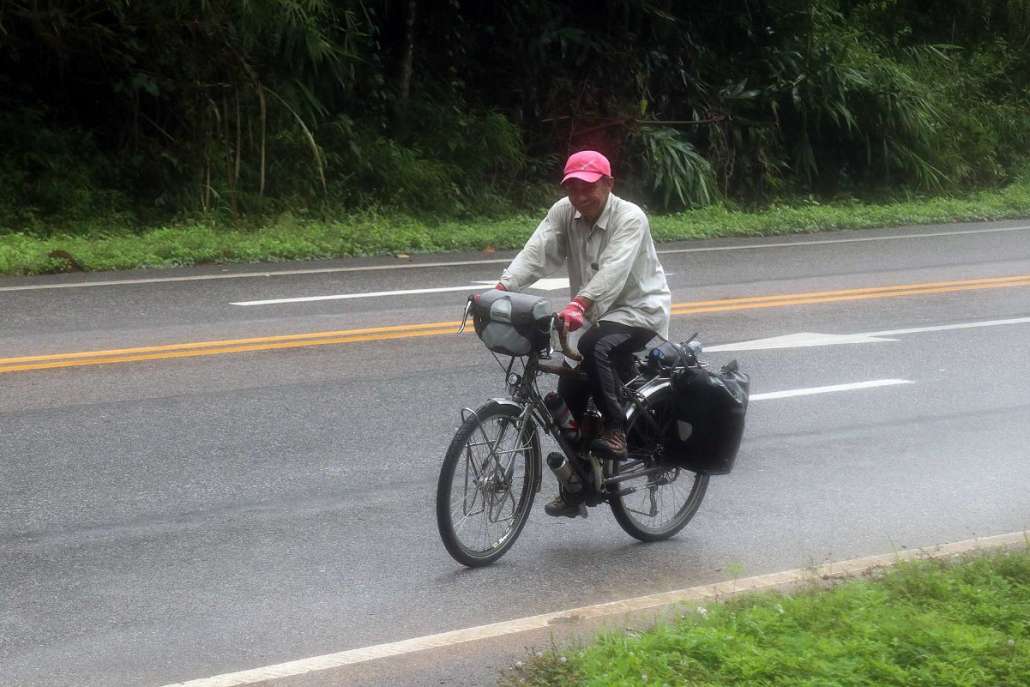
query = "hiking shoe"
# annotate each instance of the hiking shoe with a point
(611, 444)
(558, 508)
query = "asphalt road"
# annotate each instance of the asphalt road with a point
(171, 519)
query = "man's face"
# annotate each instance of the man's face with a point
(589, 199)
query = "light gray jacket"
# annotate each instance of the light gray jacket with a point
(613, 263)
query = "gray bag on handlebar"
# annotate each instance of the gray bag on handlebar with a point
(511, 323)
(710, 409)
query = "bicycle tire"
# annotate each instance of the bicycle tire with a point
(644, 443)
(493, 485)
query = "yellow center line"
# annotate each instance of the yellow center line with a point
(847, 295)
(405, 331)
(386, 332)
(109, 357)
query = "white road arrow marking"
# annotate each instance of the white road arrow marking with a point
(799, 340)
(546, 284)
(791, 393)
(551, 284)
(948, 327)
(803, 339)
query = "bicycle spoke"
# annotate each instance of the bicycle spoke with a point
(673, 493)
(489, 499)
(655, 498)
(467, 505)
(511, 497)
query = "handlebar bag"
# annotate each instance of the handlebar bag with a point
(512, 323)
(709, 418)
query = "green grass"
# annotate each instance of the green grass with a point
(374, 233)
(932, 623)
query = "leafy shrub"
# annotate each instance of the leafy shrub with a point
(674, 170)
(55, 179)
(452, 163)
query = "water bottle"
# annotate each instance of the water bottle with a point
(563, 416)
(564, 473)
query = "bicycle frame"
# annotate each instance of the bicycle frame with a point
(524, 394)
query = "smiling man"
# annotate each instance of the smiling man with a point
(617, 285)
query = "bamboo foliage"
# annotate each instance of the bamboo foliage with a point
(453, 105)
(675, 169)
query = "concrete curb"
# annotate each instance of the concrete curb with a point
(717, 591)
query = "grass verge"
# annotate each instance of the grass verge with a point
(372, 233)
(933, 622)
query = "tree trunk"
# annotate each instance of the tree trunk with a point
(401, 120)
(408, 57)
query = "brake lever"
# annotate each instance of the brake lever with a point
(563, 339)
(465, 319)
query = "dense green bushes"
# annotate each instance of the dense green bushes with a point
(292, 237)
(121, 114)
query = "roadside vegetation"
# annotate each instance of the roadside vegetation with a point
(378, 233)
(934, 623)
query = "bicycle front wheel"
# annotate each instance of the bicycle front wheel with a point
(487, 484)
(663, 499)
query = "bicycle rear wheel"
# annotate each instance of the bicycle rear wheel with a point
(487, 484)
(664, 498)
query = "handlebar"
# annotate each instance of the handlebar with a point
(690, 350)
(563, 339)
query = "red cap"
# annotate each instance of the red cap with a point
(588, 165)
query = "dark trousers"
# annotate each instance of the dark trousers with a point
(607, 350)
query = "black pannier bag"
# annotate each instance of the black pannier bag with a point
(709, 418)
(512, 323)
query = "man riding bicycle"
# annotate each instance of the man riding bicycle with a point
(617, 285)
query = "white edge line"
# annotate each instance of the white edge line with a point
(496, 261)
(822, 242)
(790, 393)
(716, 591)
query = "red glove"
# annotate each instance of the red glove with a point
(500, 287)
(574, 313)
